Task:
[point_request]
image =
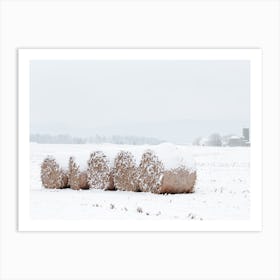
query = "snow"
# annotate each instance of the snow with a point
(171, 155)
(174, 156)
(234, 137)
(222, 190)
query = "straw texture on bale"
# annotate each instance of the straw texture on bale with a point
(52, 176)
(99, 174)
(125, 172)
(77, 179)
(178, 180)
(153, 177)
(150, 172)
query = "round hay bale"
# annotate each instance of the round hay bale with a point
(111, 181)
(52, 176)
(77, 179)
(179, 168)
(83, 180)
(99, 173)
(125, 172)
(150, 172)
(178, 180)
(167, 169)
(73, 174)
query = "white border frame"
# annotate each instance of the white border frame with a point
(26, 223)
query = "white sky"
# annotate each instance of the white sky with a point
(88, 97)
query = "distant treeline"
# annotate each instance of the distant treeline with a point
(97, 139)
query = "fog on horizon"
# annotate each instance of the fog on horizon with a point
(167, 99)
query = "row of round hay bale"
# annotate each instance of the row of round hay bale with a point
(77, 179)
(52, 175)
(161, 170)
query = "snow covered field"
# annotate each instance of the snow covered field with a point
(222, 189)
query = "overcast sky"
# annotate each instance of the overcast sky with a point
(87, 97)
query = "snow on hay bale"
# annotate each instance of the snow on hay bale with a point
(150, 172)
(77, 179)
(52, 175)
(100, 175)
(125, 172)
(167, 169)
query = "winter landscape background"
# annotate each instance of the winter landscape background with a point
(77, 107)
(222, 190)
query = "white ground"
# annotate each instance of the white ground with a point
(222, 189)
